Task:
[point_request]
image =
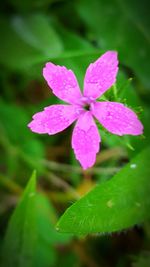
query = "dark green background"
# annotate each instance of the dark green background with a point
(72, 33)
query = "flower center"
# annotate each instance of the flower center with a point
(87, 107)
(86, 103)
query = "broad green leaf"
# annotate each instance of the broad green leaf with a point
(20, 239)
(25, 242)
(120, 25)
(27, 41)
(114, 205)
(33, 39)
(15, 53)
(36, 31)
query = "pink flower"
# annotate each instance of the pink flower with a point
(115, 117)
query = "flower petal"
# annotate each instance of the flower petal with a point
(101, 75)
(117, 118)
(54, 119)
(85, 140)
(62, 82)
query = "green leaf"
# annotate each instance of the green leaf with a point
(25, 244)
(113, 205)
(123, 26)
(36, 31)
(27, 41)
(20, 237)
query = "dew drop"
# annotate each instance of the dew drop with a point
(133, 166)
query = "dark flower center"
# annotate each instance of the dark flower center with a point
(87, 107)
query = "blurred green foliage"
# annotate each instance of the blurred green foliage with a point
(70, 33)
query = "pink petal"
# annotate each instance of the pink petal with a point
(117, 118)
(62, 82)
(54, 119)
(85, 140)
(101, 75)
